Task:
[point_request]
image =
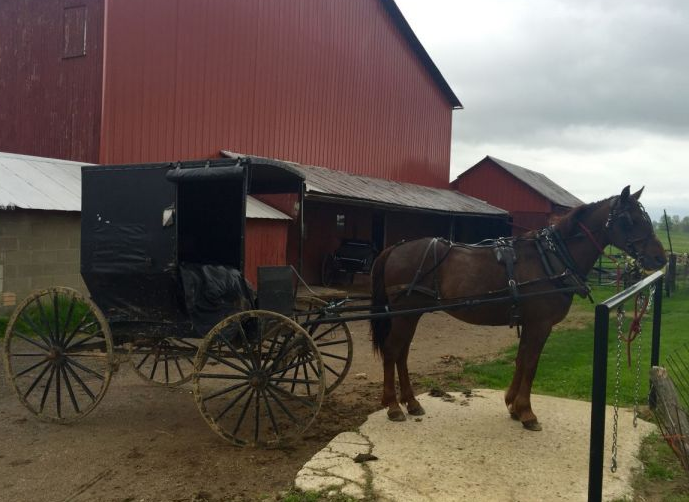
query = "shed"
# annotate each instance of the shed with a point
(40, 227)
(531, 198)
(339, 205)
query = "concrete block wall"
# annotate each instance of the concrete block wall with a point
(38, 249)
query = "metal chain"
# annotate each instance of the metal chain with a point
(640, 299)
(616, 394)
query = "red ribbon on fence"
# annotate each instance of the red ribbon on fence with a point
(635, 325)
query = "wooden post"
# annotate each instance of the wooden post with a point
(673, 419)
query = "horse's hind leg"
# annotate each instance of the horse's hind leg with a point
(396, 345)
(406, 390)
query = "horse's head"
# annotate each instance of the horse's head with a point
(630, 229)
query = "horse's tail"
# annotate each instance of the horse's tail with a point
(380, 327)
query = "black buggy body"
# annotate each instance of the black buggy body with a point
(165, 242)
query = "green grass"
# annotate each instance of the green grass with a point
(566, 364)
(662, 477)
(310, 496)
(680, 240)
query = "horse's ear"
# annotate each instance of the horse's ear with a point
(637, 195)
(624, 196)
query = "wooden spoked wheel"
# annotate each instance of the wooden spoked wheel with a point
(333, 339)
(58, 354)
(258, 379)
(168, 362)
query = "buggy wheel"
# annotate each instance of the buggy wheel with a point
(168, 362)
(258, 379)
(328, 270)
(58, 354)
(333, 340)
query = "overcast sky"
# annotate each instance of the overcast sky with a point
(593, 94)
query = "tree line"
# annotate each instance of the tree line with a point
(674, 222)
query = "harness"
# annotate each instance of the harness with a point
(556, 260)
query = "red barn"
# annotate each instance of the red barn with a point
(341, 84)
(530, 197)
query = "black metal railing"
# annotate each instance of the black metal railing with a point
(600, 371)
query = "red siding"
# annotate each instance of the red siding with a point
(265, 245)
(529, 209)
(49, 105)
(324, 82)
(493, 184)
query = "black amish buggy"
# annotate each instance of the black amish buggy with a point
(162, 255)
(353, 256)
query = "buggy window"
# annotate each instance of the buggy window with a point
(211, 223)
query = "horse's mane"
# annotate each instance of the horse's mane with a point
(568, 224)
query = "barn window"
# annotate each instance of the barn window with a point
(74, 43)
(340, 221)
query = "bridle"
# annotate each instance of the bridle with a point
(620, 216)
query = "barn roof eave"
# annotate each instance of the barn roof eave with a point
(400, 21)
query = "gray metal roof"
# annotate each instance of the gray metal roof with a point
(28, 182)
(39, 183)
(326, 182)
(541, 183)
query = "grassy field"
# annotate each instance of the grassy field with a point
(680, 240)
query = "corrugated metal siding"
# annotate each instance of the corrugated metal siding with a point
(265, 244)
(49, 105)
(487, 182)
(322, 82)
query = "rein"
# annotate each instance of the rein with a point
(598, 246)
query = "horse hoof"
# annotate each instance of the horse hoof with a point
(417, 411)
(396, 415)
(532, 425)
(514, 416)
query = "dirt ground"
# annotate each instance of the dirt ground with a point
(147, 443)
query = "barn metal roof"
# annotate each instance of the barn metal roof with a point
(541, 183)
(28, 182)
(323, 183)
(336, 184)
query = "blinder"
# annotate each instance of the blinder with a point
(621, 215)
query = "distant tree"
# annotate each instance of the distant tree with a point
(684, 225)
(660, 225)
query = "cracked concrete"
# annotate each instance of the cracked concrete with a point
(469, 449)
(334, 467)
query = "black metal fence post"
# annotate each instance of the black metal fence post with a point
(655, 339)
(657, 309)
(600, 372)
(598, 391)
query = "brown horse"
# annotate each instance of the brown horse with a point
(538, 273)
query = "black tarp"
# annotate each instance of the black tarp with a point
(212, 293)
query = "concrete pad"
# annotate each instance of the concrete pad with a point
(469, 449)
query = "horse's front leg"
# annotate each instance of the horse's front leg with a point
(511, 393)
(533, 340)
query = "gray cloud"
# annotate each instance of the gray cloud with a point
(563, 85)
